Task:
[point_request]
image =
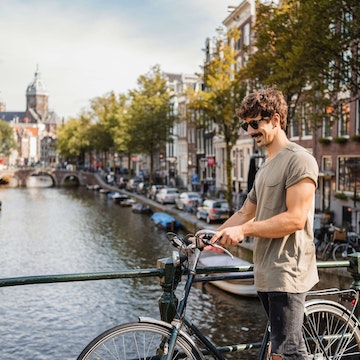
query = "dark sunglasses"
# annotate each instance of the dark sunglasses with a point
(253, 123)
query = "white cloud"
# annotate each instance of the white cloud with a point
(86, 48)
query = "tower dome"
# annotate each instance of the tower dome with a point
(37, 86)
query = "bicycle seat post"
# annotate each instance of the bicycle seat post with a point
(168, 301)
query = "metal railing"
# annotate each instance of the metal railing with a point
(165, 273)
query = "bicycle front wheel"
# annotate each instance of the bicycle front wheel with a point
(137, 341)
(330, 332)
(342, 252)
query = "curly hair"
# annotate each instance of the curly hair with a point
(265, 103)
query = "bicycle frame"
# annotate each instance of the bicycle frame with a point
(180, 319)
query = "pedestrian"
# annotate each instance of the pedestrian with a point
(278, 212)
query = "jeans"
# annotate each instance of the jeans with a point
(286, 315)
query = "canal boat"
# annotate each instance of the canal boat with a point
(140, 208)
(117, 197)
(243, 287)
(165, 221)
(129, 202)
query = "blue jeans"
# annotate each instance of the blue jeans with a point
(286, 315)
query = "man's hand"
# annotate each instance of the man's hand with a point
(229, 236)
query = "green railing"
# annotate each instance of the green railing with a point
(165, 272)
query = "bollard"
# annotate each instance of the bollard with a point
(354, 269)
(168, 301)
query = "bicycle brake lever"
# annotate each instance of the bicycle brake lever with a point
(223, 249)
(208, 234)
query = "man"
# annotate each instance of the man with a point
(278, 213)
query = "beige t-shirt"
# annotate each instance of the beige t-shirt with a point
(285, 264)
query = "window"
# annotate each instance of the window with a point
(294, 128)
(182, 129)
(327, 122)
(306, 121)
(247, 34)
(326, 164)
(348, 173)
(344, 121)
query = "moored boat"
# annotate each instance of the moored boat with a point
(243, 287)
(165, 221)
(127, 202)
(117, 197)
(140, 208)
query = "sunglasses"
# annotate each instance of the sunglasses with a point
(253, 123)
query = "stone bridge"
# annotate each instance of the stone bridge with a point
(19, 177)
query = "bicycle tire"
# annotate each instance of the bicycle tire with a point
(330, 331)
(327, 251)
(137, 341)
(342, 252)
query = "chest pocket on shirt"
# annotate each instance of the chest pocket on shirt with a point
(275, 195)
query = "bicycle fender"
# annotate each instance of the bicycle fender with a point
(144, 319)
(331, 303)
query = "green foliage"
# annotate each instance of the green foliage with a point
(341, 196)
(356, 138)
(150, 117)
(341, 140)
(140, 122)
(7, 140)
(223, 93)
(73, 137)
(324, 141)
(303, 48)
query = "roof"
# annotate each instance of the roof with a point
(12, 115)
(37, 86)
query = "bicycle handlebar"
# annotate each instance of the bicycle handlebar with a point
(202, 237)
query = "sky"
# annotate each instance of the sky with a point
(87, 48)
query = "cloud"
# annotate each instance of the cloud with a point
(86, 48)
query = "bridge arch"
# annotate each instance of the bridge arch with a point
(18, 177)
(69, 180)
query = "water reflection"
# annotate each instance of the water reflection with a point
(39, 181)
(54, 231)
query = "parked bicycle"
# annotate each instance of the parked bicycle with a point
(331, 330)
(343, 250)
(326, 239)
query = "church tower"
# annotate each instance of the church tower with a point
(37, 98)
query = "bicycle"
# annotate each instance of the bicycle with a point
(350, 246)
(331, 330)
(327, 240)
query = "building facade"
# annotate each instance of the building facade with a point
(34, 129)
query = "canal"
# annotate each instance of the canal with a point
(47, 231)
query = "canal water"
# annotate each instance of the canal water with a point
(45, 231)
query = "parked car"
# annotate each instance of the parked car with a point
(154, 189)
(188, 201)
(167, 195)
(133, 184)
(142, 188)
(213, 210)
(122, 182)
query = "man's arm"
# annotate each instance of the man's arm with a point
(299, 198)
(245, 214)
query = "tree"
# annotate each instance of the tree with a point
(223, 93)
(150, 118)
(308, 49)
(73, 138)
(7, 140)
(104, 119)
